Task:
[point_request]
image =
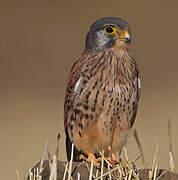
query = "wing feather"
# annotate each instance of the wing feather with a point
(72, 86)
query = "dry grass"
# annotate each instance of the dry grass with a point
(125, 170)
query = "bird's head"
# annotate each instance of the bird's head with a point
(107, 32)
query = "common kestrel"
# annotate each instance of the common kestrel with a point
(102, 92)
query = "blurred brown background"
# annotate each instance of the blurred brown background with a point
(39, 41)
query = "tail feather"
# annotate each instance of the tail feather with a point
(76, 155)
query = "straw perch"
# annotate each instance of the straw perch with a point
(82, 170)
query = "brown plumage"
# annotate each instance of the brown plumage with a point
(102, 91)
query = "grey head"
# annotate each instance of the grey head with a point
(105, 32)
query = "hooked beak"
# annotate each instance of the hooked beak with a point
(124, 36)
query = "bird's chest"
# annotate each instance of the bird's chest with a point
(114, 94)
(108, 90)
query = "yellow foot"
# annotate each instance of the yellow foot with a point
(91, 157)
(113, 159)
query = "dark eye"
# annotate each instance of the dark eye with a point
(110, 30)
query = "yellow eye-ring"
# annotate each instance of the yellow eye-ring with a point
(110, 30)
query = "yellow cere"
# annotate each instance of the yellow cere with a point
(110, 30)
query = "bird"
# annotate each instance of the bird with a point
(102, 92)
